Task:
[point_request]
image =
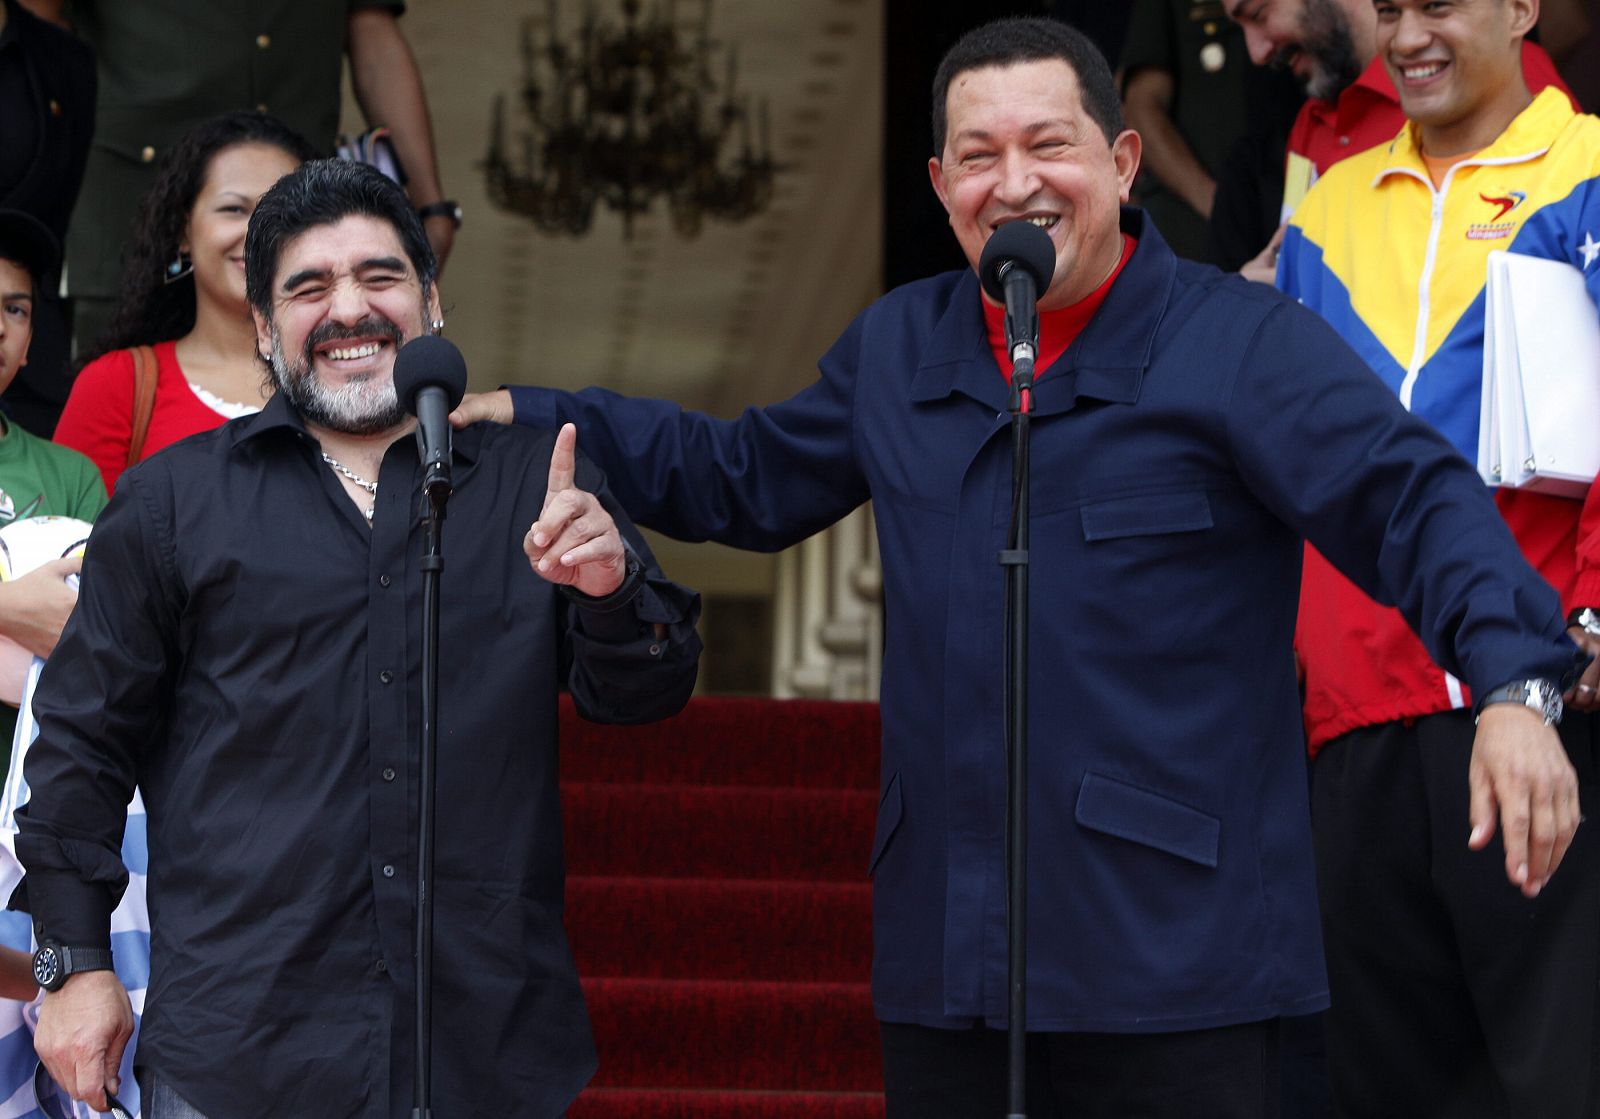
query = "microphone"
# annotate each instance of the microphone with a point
(430, 378)
(1015, 269)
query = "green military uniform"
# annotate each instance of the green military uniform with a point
(1204, 52)
(167, 65)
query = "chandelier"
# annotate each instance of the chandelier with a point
(625, 115)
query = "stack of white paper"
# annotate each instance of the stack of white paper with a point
(1540, 424)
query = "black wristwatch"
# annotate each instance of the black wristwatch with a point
(1540, 696)
(444, 208)
(54, 963)
(1586, 618)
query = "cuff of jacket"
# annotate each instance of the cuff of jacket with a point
(610, 619)
(1587, 591)
(65, 908)
(532, 407)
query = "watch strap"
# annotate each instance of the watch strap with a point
(444, 208)
(1542, 697)
(75, 960)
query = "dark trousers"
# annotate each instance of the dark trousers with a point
(1454, 997)
(161, 1102)
(1225, 1073)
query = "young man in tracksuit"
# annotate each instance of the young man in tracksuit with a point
(1452, 996)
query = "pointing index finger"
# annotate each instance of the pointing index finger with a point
(563, 461)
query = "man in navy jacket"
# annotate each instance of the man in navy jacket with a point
(1194, 430)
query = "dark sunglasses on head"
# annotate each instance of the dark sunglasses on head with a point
(54, 1102)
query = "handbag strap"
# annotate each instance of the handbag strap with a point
(145, 375)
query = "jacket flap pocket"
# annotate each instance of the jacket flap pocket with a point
(888, 821)
(1147, 515)
(1129, 812)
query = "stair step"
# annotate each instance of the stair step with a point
(721, 831)
(720, 912)
(631, 1103)
(713, 928)
(670, 1034)
(731, 740)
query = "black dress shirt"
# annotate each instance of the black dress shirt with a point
(247, 649)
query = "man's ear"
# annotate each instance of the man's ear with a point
(1126, 150)
(936, 176)
(435, 314)
(1524, 14)
(263, 335)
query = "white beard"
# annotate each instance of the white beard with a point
(364, 406)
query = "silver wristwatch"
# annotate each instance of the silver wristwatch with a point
(1539, 696)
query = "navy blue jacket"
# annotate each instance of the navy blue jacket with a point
(1198, 429)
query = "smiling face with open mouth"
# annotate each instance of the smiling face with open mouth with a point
(1019, 146)
(1457, 65)
(345, 298)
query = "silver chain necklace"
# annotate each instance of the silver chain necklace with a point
(370, 487)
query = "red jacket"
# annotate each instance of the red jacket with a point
(1378, 671)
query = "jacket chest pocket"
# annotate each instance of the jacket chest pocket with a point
(1154, 514)
(1141, 554)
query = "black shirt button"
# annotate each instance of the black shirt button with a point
(655, 650)
(388, 871)
(382, 966)
(383, 580)
(388, 773)
(386, 676)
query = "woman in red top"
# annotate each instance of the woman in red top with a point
(183, 294)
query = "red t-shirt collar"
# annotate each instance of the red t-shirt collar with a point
(1059, 328)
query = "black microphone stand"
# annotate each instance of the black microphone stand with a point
(1022, 338)
(436, 490)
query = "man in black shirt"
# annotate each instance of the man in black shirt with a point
(245, 649)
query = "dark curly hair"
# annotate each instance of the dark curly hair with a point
(149, 309)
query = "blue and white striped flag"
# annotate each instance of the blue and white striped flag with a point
(130, 935)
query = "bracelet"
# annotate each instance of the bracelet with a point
(445, 208)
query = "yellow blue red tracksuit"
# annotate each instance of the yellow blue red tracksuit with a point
(1398, 269)
(1453, 995)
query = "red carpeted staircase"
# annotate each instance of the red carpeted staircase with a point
(719, 909)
